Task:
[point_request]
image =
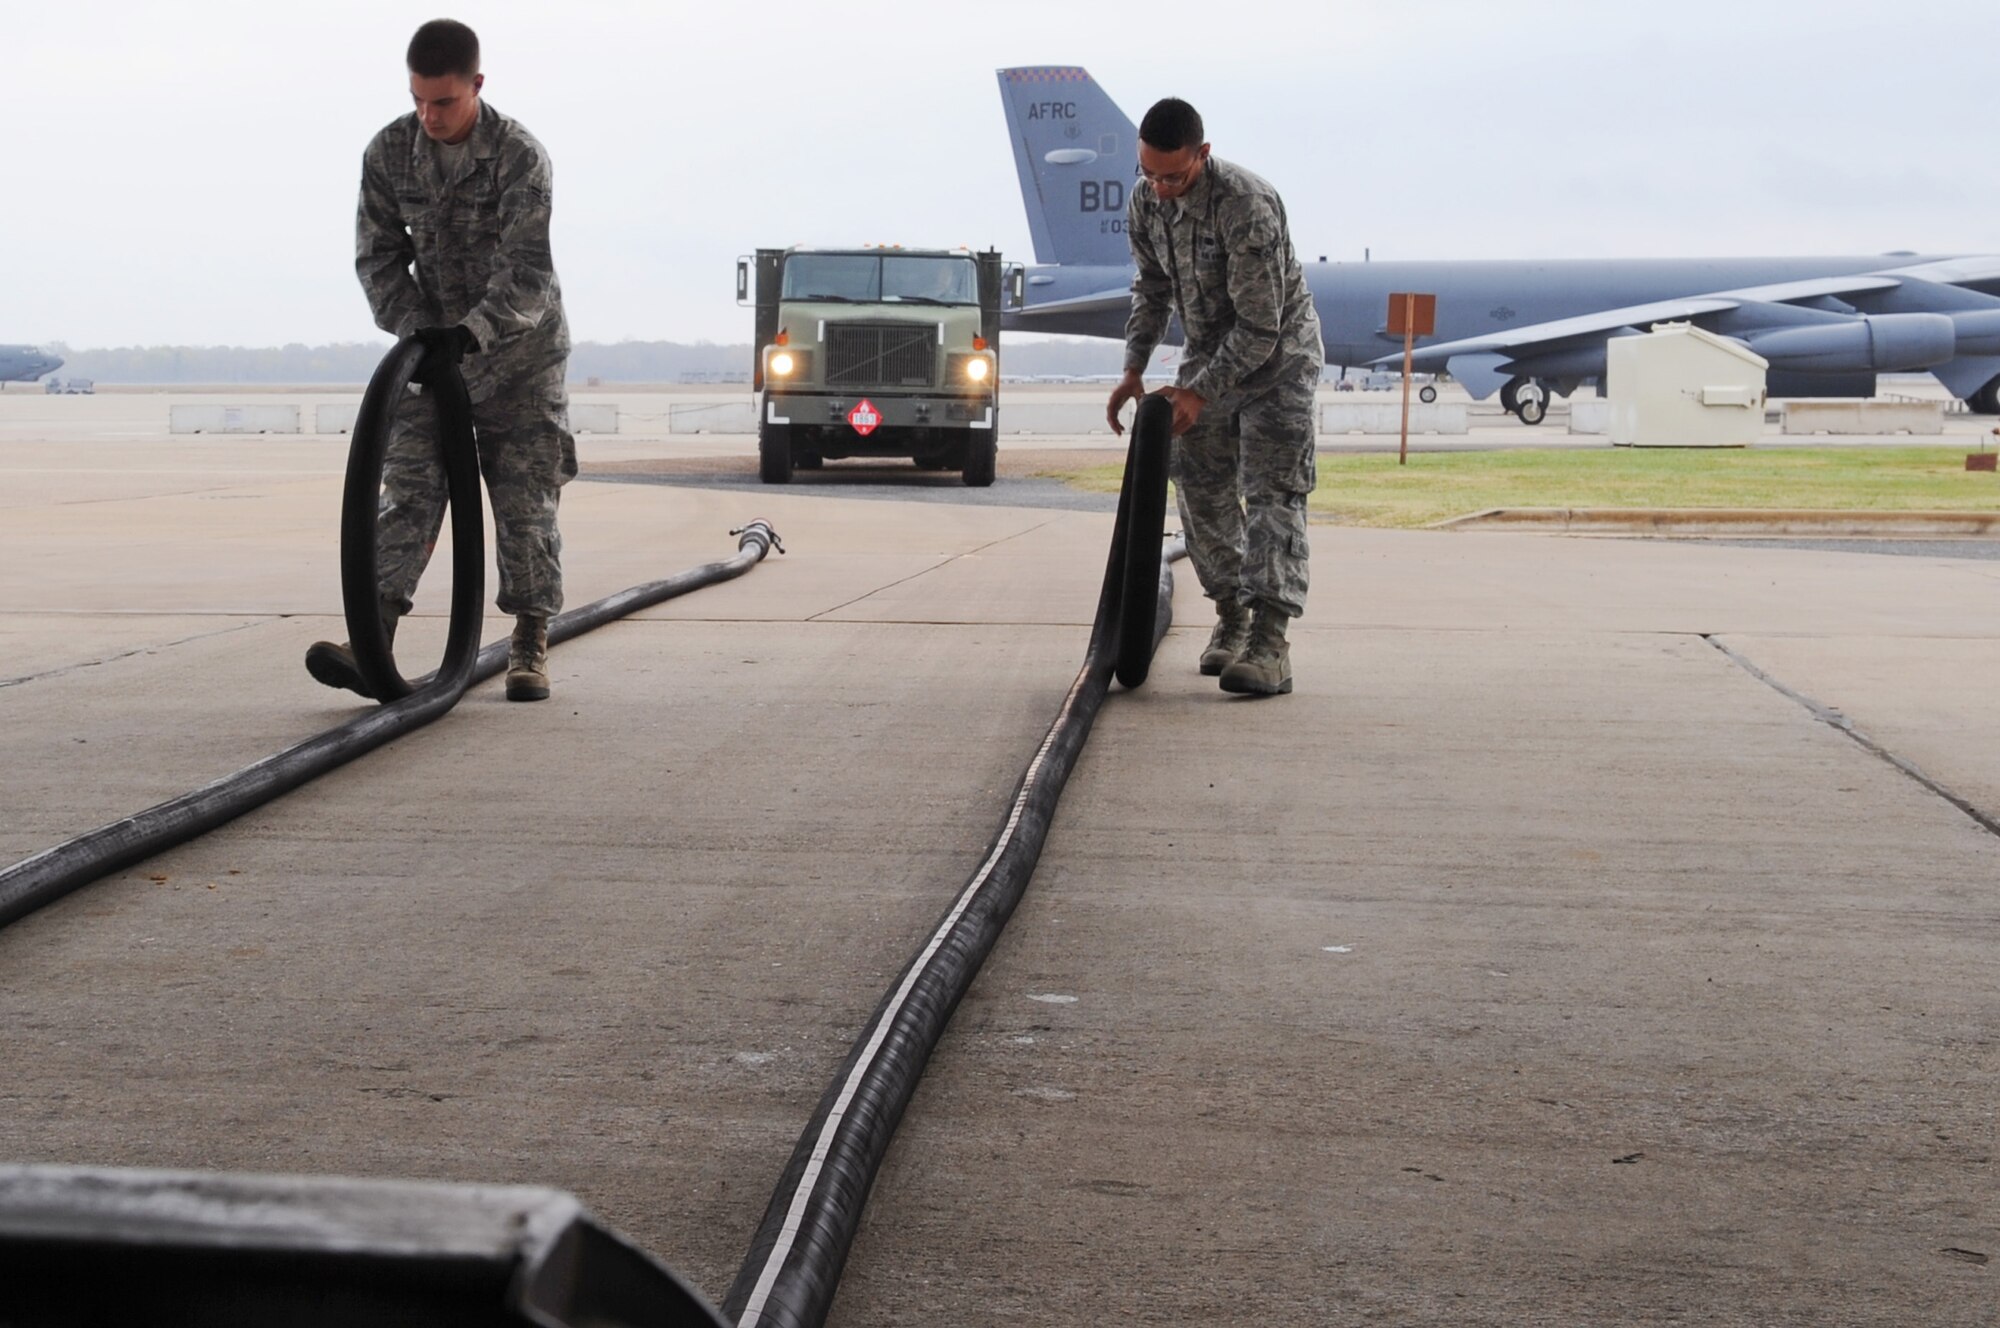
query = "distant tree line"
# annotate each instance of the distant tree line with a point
(344, 362)
(609, 362)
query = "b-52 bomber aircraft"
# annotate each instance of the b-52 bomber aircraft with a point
(1526, 329)
(24, 364)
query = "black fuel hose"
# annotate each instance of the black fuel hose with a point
(360, 502)
(55, 872)
(789, 1277)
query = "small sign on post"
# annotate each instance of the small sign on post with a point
(1413, 316)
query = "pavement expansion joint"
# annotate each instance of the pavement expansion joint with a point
(926, 571)
(1834, 719)
(127, 654)
(205, 492)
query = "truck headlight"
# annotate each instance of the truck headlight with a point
(971, 370)
(789, 364)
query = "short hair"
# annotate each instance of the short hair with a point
(444, 46)
(1171, 125)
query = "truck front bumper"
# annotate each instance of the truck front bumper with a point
(830, 410)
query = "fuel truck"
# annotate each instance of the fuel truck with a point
(877, 351)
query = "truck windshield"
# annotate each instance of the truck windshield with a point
(881, 278)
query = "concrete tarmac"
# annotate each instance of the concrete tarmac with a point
(1536, 962)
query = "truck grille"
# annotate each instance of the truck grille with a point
(881, 355)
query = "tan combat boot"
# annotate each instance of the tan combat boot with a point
(528, 660)
(334, 665)
(1226, 642)
(1265, 666)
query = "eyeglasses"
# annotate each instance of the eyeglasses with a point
(1172, 179)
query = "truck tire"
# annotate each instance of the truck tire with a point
(982, 460)
(1427, 394)
(774, 452)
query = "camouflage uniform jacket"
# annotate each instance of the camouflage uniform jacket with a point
(479, 240)
(1221, 255)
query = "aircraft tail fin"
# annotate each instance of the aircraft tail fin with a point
(1077, 156)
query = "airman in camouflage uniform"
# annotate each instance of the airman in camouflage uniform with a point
(461, 193)
(1211, 243)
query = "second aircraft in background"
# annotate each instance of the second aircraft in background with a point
(1524, 329)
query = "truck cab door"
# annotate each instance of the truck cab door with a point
(993, 294)
(769, 270)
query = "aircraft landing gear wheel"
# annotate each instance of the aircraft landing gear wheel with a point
(1427, 394)
(1531, 404)
(774, 453)
(1985, 401)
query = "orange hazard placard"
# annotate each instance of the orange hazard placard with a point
(1413, 315)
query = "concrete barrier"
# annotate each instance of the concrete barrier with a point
(1864, 417)
(1386, 417)
(335, 419)
(232, 419)
(1054, 417)
(593, 417)
(711, 417)
(1592, 415)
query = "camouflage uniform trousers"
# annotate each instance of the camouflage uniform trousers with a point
(526, 455)
(1241, 476)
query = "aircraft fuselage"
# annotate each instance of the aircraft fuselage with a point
(1476, 297)
(24, 364)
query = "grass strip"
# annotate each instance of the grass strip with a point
(1370, 489)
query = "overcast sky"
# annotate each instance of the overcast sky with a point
(187, 172)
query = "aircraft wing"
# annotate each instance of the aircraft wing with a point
(1812, 288)
(1117, 301)
(1518, 342)
(1951, 271)
(1514, 340)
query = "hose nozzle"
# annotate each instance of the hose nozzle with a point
(760, 532)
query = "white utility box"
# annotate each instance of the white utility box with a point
(1678, 386)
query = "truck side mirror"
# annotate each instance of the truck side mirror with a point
(743, 281)
(1017, 286)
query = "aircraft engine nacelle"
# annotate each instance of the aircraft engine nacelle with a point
(1978, 331)
(1881, 343)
